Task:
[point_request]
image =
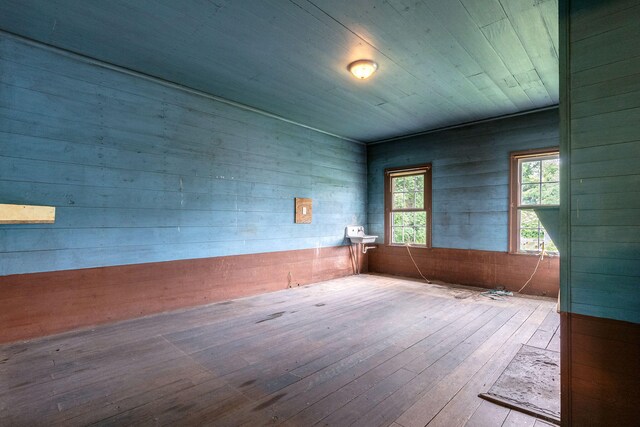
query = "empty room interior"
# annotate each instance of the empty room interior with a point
(320, 212)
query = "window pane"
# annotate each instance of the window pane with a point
(396, 219)
(409, 200)
(530, 194)
(410, 183)
(551, 194)
(408, 218)
(397, 235)
(421, 218)
(398, 184)
(529, 239)
(398, 201)
(420, 200)
(549, 246)
(421, 235)
(551, 170)
(420, 183)
(409, 235)
(530, 171)
(528, 219)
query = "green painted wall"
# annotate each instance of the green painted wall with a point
(601, 128)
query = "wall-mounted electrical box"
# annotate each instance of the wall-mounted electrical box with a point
(303, 210)
(27, 214)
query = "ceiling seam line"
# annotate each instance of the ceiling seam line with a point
(444, 97)
(461, 125)
(124, 70)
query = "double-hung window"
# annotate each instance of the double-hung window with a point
(535, 182)
(408, 206)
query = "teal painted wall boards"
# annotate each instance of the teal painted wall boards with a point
(142, 172)
(601, 89)
(470, 177)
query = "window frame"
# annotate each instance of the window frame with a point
(514, 194)
(388, 201)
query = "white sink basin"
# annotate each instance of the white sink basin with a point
(363, 239)
(355, 233)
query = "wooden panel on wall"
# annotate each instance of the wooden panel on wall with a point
(484, 58)
(27, 214)
(141, 172)
(603, 103)
(485, 269)
(600, 374)
(470, 177)
(39, 304)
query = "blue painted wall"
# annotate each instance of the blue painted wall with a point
(601, 274)
(141, 172)
(470, 177)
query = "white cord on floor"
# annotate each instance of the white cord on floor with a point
(414, 263)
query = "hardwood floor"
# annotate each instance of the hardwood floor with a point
(364, 350)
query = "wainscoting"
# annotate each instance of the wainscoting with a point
(600, 373)
(40, 304)
(486, 269)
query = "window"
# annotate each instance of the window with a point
(408, 206)
(535, 181)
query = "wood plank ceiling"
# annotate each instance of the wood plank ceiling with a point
(441, 62)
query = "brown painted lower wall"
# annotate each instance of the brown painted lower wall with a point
(33, 305)
(486, 269)
(600, 371)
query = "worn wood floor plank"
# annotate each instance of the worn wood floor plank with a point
(488, 414)
(462, 405)
(364, 350)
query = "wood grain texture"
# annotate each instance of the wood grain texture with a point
(140, 172)
(33, 305)
(599, 389)
(602, 87)
(360, 349)
(470, 177)
(27, 214)
(441, 63)
(470, 267)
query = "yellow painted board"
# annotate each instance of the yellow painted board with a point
(26, 214)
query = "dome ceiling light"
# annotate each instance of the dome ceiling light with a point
(363, 68)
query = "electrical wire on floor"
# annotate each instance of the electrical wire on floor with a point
(534, 270)
(499, 294)
(414, 263)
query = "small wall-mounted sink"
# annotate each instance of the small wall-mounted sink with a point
(356, 234)
(363, 239)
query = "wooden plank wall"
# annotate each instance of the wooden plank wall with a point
(599, 371)
(470, 202)
(39, 304)
(470, 177)
(142, 172)
(600, 106)
(441, 62)
(604, 148)
(486, 269)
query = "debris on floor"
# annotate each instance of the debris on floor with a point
(497, 294)
(462, 295)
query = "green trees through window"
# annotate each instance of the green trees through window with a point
(538, 185)
(408, 209)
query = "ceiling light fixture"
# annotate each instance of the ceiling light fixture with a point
(363, 68)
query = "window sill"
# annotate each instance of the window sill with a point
(533, 254)
(398, 245)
